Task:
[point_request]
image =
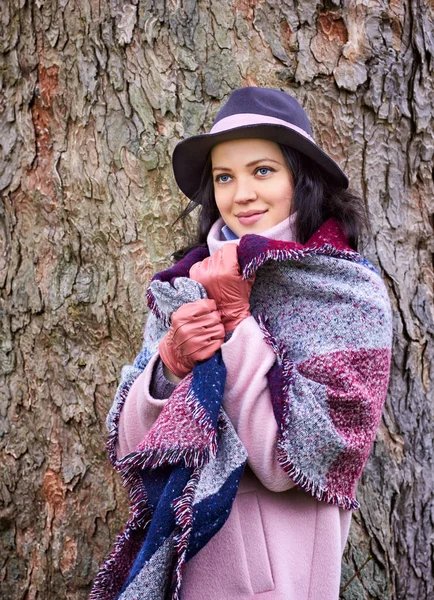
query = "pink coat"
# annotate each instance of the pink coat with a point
(278, 541)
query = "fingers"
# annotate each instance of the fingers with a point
(207, 351)
(197, 331)
(193, 326)
(193, 310)
(195, 334)
(203, 344)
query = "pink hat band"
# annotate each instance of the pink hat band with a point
(244, 119)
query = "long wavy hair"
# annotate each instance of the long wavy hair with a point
(315, 199)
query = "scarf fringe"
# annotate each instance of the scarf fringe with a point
(104, 588)
(141, 513)
(278, 349)
(161, 457)
(295, 473)
(314, 489)
(183, 511)
(153, 307)
(201, 416)
(103, 580)
(292, 254)
(158, 457)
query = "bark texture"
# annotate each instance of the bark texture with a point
(94, 97)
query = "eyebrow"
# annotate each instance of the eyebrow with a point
(250, 164)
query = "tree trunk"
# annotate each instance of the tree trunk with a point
(94, 97)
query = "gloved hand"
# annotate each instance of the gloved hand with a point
(195, 334)
(220, 276)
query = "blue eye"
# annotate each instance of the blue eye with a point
(263, 170)
(222, 178)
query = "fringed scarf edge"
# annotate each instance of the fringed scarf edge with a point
(317, 491)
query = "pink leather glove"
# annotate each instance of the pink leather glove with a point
(195, 334)
(220, 276)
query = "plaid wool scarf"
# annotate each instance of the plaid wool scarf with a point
(326, 313)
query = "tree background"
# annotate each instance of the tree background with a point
(94, 97)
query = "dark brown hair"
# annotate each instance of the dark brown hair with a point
(315, 199)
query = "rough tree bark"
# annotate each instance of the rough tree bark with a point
(94, 97)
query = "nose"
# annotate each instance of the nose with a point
(245, 190)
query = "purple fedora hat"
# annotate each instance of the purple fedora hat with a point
(252, 112)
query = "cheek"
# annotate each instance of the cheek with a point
(283, 203)
(287, 194)
(221, 202)
(283, 209)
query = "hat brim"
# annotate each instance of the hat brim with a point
(190, 155)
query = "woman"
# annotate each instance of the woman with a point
(246, 420)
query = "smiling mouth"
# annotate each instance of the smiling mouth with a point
(249, 217)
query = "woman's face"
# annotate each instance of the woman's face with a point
(253, 185)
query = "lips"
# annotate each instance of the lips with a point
(249, 217)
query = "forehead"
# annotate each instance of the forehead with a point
(246, 149)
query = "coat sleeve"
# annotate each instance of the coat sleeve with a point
(134, 409)
(247, 402)
(139, 412)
